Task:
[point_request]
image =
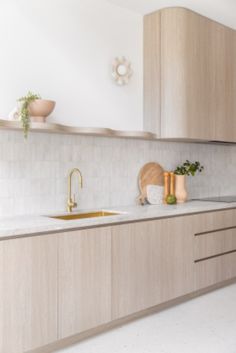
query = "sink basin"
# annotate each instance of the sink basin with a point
(75, 216)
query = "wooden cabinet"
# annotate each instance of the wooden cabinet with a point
(152, 263)
(84, 282)
(193, 62)
(28, 293)
(214, 248)
(152, 73)
(215, 243)
(60, 285)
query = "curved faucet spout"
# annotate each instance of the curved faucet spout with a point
(72, 203)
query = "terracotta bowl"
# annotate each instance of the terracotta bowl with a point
(40, 109)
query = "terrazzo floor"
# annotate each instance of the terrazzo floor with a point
(206, 324)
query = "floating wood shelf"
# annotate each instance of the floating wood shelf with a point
(64, 129)
(97, 131)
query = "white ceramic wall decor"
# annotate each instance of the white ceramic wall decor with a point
(121, 71)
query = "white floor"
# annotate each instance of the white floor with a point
(203, 325)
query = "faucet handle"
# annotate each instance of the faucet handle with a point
(74, 202)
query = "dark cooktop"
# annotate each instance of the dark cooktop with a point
(227, 199)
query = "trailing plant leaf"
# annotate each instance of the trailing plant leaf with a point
(24, 111)
(189, 168)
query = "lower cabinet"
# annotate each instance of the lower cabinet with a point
(152, 263)
(59, 285)
(84, 280)
(214, 248)
(28, 293)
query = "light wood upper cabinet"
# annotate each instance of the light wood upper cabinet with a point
(84, 286)
(195, 72)
(152, 263)
(152, 72)
(28, 293)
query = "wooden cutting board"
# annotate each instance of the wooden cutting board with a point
(150, 174)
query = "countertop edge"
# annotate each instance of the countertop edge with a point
(124, 218)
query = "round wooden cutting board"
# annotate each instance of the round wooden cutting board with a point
(150, 174)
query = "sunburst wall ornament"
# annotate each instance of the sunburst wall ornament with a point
(121, 71)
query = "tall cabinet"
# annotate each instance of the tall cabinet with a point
(189, 76)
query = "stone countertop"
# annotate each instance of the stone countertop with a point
(27, 225)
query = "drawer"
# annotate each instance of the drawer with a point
(214, 243)
(212, 271)
(213, 221)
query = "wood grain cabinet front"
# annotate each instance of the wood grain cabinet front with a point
(28, 293)
(192, 60)
(84, 280)
(60, 285)
(152, 263)
(214, 248)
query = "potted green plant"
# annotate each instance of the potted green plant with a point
(33, 108)
(187, 168)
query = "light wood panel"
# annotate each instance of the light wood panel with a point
(215, 270)
(152, 73)
(152, 263)
(218, 241)
(28, 293)
(55, 286)
(198, 76)
(84, 280)
(211, 221)
(211, 244)
(174, 120)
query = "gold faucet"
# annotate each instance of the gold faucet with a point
(70, 203)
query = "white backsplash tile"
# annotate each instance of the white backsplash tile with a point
(33, 173)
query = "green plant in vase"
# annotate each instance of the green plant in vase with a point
(24, 110)
(187, 168)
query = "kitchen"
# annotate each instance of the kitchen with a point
(79, 254)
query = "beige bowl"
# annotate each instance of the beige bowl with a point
(40, 109)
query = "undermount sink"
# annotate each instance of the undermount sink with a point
(75, 216)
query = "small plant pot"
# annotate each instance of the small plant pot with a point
(180, 188)
(40, 109)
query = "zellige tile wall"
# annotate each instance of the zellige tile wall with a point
(33, 173)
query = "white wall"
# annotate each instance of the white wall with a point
(63, 49)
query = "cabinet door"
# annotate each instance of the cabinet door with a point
(198, 62)
(152, 263)
(28, 293)
(152, 73)
(189, 76)
(84, 280)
